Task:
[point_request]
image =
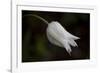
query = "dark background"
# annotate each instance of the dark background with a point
(35, 45)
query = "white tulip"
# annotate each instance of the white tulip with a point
(58, 36)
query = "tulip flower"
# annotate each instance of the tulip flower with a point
(58, 36)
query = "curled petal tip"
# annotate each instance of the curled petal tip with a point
(78, 38)
(69, 53)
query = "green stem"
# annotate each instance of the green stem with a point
(37, 17)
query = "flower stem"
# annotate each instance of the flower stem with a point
(45, 21)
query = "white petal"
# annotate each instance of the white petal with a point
(53, 40)
(72, 42)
